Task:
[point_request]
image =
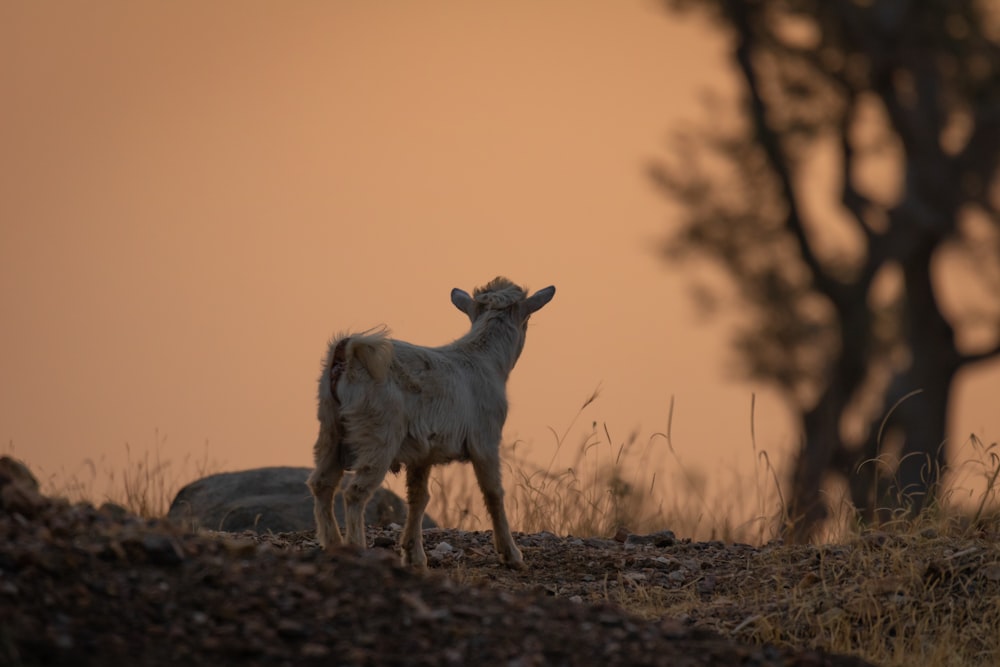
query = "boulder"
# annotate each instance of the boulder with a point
(19, 492)
(14, 470)
(274, 499)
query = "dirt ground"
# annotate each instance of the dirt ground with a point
(81, 585)
(97, 586)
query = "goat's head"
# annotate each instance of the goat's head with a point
(500, 298)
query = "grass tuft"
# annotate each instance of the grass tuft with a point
(145, 486)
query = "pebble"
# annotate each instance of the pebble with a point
(663, 538)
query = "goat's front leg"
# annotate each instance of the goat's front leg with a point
(488, 475)
(323, 483)
(417, 496)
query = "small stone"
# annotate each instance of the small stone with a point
(314, 650)
(162, 549)
(673, 628)
(304, 570)
(600, 543)
(876, 538)
(809, 579)
(706, 585)
(443, 551)
(291, 629)
(113, 511)
(663, 538)
(239, 548)
(384, 542)
(19, 498)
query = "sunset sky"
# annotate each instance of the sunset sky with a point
(195, 195)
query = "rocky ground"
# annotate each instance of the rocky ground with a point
(97, 586)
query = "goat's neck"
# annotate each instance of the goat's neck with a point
(497, 340)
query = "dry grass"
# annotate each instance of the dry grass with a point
(923, 590)
(608, 483)
(645, 486)
(891, 598)
(912, 590)
(145, 486)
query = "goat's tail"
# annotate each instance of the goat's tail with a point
(373, 350)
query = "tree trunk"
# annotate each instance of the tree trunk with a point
(934, 363)
(915, 409)
(822, 443)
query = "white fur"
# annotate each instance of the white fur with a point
(384, 403)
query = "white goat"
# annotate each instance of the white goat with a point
(384, 403)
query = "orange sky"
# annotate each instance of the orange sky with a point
(194, 196)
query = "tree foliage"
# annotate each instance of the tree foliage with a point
(854, 200)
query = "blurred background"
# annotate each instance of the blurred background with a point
(195, 196)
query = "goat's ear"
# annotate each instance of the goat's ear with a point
(540, 298)
(462, 301)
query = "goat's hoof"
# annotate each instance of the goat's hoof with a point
(328, 544)
(415, 565)
(515, 563)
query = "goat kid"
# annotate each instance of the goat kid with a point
(384, 403)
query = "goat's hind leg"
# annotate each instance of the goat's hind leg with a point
(367, 478)
(323, 483)
(417, 496)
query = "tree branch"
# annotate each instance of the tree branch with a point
(852, 200)
(976, 357)
(980, 156)
(768, 139)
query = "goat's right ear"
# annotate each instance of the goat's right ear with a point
(462, 301)
(540, 298)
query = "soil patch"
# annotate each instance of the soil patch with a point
(95, 586)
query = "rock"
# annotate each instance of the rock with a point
(19, 492)
(12, 470)
(273, 500)
(443, 551)
(162, 549)
(663, 538)
(113, 511)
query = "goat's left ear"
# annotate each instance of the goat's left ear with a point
(462, 301)
(540, 298)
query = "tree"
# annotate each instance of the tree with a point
(846, 277)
